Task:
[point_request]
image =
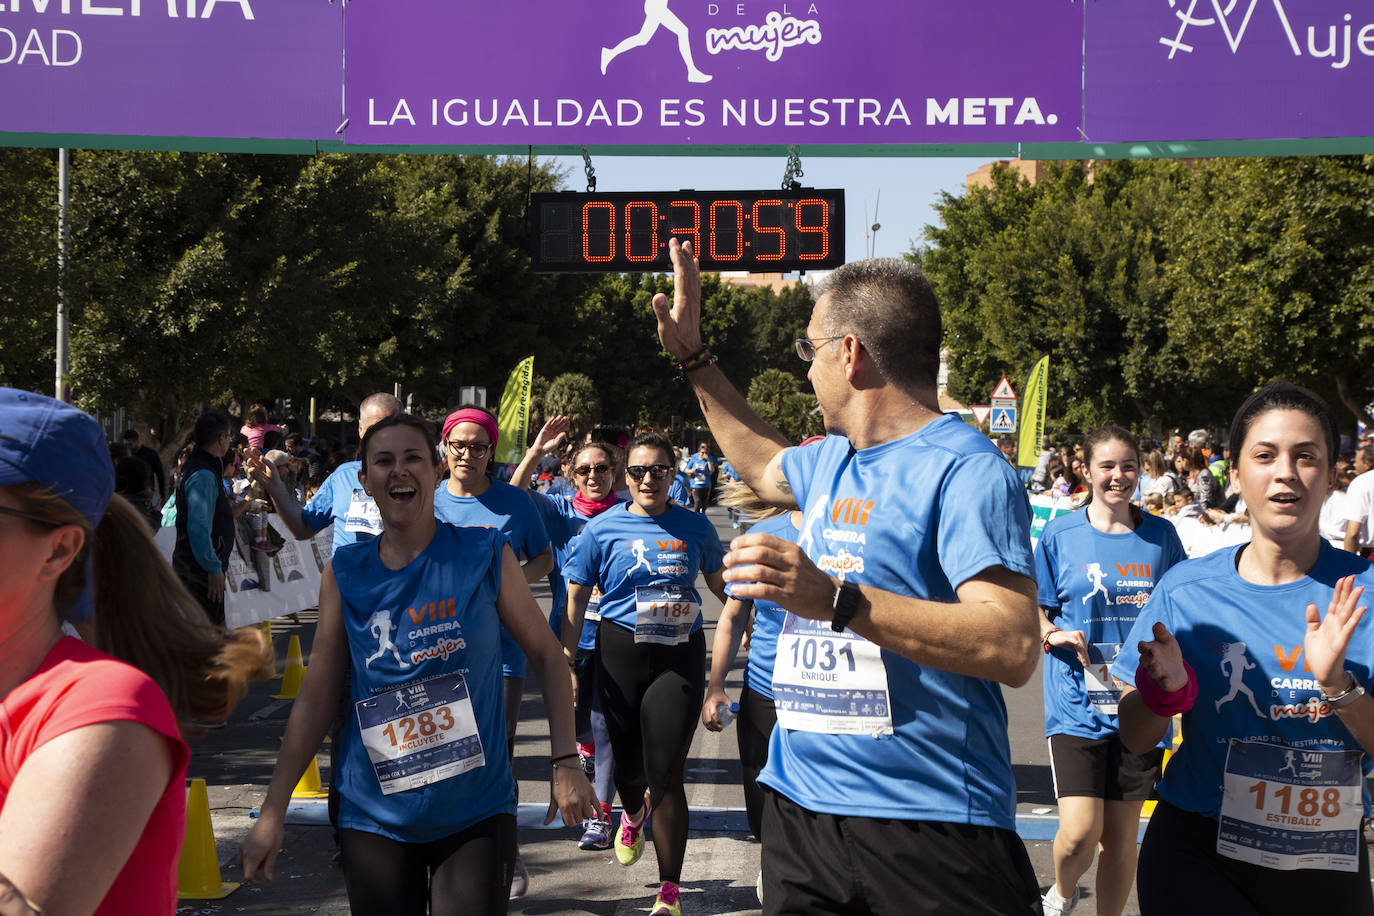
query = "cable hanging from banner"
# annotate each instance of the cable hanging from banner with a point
(793, 170)
(589, 169)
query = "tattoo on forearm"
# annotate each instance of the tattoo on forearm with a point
(783, 485)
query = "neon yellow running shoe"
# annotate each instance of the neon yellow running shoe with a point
(668, 902)
(629, 839)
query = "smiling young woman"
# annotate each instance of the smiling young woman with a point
(1095, 568)
(424, 778)
(1262, 806)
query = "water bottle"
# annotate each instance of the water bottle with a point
(726, 713)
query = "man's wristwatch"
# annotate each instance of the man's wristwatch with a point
(1347, 696)
(846, 605)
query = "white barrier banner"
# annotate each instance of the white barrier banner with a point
(262, 585)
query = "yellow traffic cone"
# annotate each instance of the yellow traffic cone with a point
(198, 875)
(310, 785)
(266, 627)
(295, 671)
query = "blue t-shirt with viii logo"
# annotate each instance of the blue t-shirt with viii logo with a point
(1095, 582)
(917, 516)
(621, 551)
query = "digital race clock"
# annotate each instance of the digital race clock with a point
(759, 231)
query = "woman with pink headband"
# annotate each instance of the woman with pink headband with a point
(472, 499)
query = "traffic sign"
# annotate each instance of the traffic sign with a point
(980, 413)
(1003, 390)
(1004, 420)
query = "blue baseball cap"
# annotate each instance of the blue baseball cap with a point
(54, 444)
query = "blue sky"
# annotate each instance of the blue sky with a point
(909, 186)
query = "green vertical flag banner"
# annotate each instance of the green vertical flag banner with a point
(514, 417)
(1032, 413)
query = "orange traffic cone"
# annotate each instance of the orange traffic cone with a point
(198, 875)
(310, 785)
(295, 671)
(266, 627)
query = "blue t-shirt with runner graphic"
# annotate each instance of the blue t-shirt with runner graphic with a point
(1245, 643)
(699, 472)
(1095, 582)
(510, 510)
(342, 502)
(622, 553)
(917, 516)
(437, 742)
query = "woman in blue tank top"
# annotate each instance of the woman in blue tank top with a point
(427, 808)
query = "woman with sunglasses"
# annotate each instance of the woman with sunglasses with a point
(471, 498)
(650, 653)
(565, 517)
(92, 761)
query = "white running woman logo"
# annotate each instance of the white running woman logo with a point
(656, 16)
(380, 624)
(1095, 573)
(1234, 664)
(807, 541)
(1289, 763)
(639, 549)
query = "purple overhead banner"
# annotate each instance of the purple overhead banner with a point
(1228, 69)
(683, 73)
(723, 72)
(177, 68)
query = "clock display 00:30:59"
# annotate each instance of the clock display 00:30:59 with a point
(761, 231)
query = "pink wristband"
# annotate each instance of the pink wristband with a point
(1166, 703)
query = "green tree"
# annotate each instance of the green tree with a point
(28, 268)
(1273, 274)
(1071, 267)
(777, 397)
(573, 395)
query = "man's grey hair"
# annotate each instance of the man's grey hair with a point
(889, 305)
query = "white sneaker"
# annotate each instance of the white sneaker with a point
(520, 883)
(1055, 905)
(758, 888)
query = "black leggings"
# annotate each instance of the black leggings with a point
(651, 696)
(468, 872)
(1181, 872)
(757, 716)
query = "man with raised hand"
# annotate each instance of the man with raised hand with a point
(340, 500)
(910, 597)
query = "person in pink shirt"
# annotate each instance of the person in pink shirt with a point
(92, 761)
(257, 427)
